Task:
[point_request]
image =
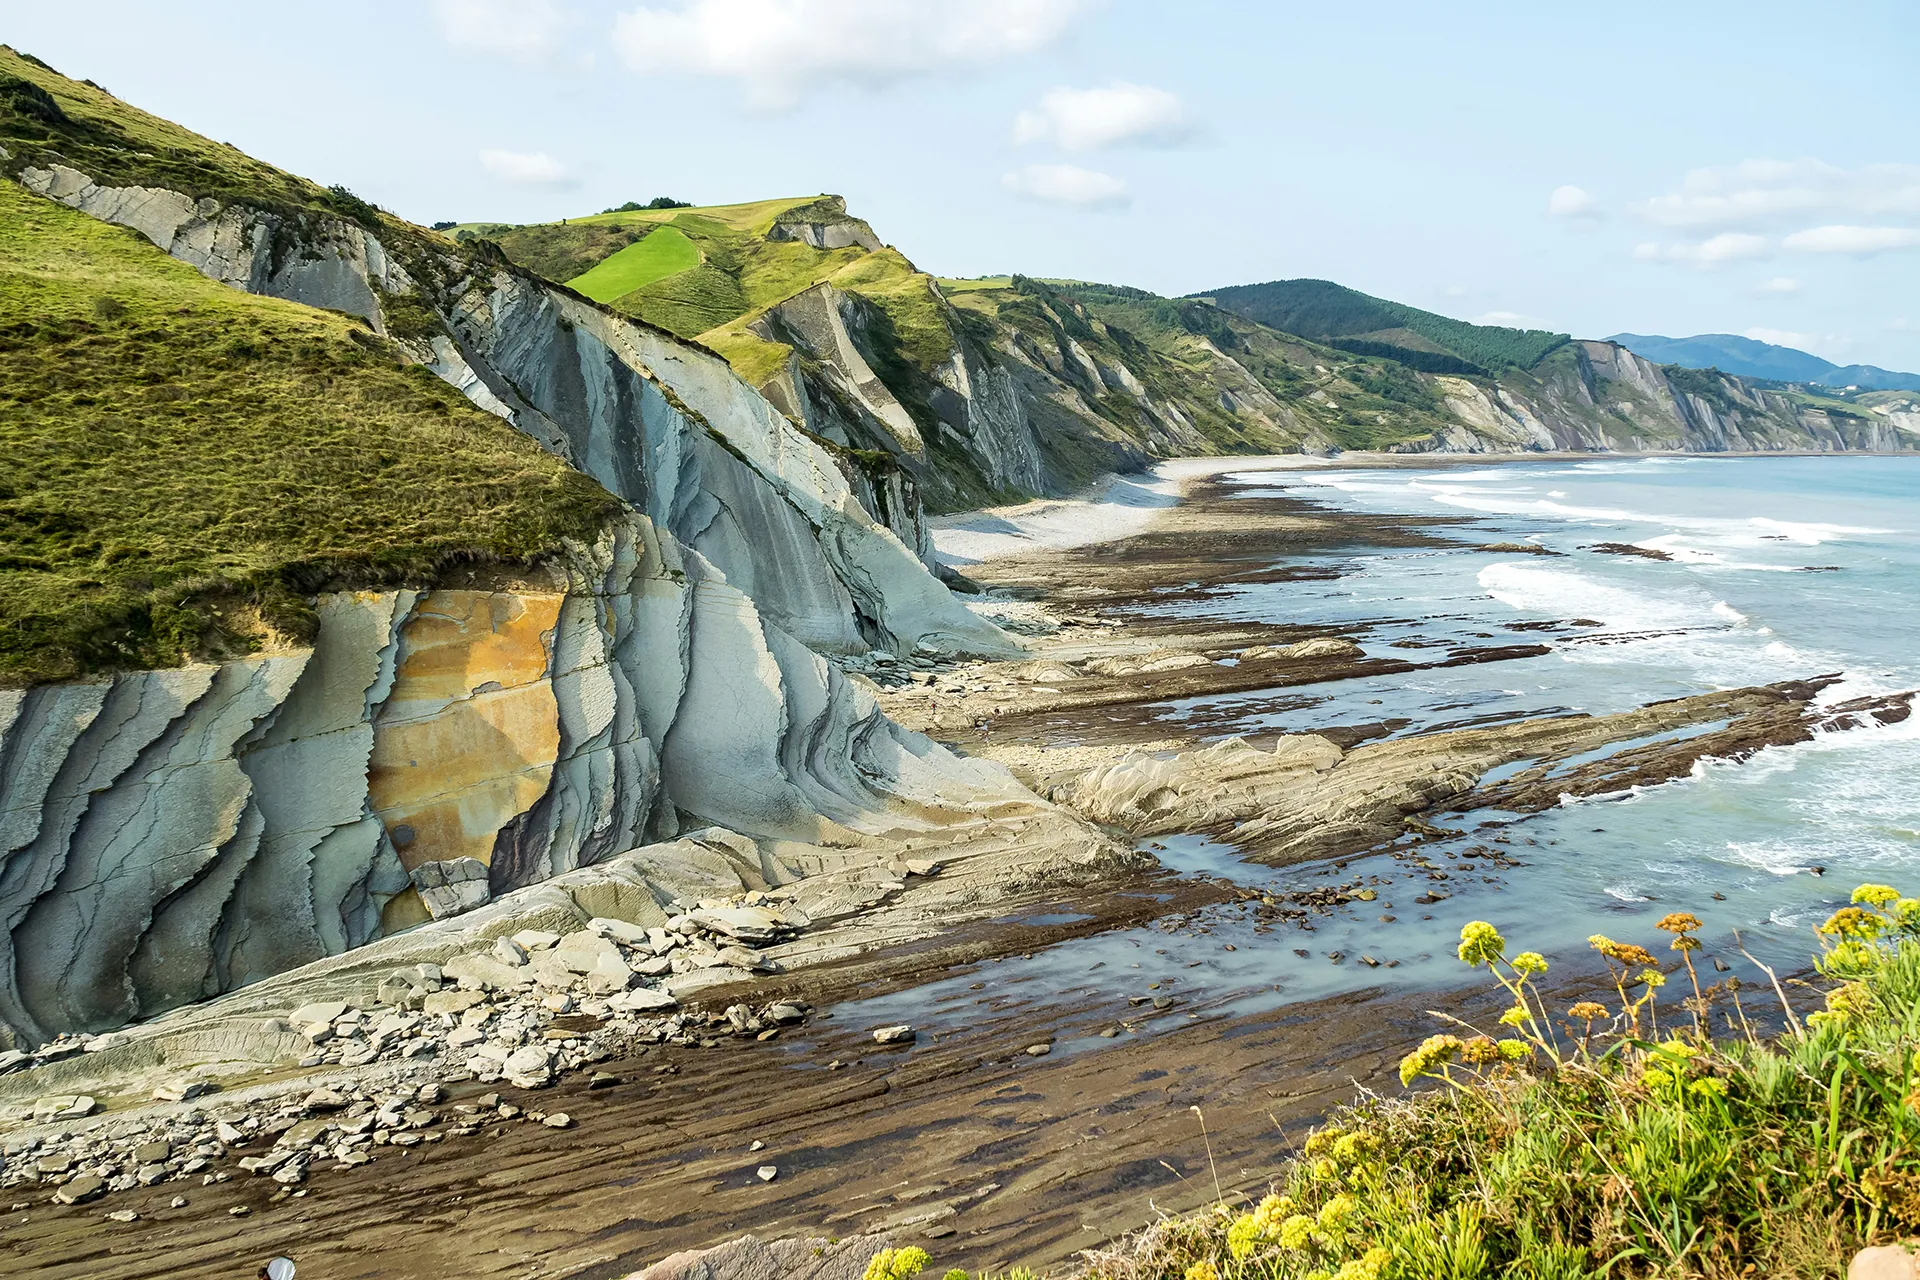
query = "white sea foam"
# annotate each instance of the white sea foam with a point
(1724, 610)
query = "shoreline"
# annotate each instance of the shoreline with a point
(1119, 506)
(989, 1154)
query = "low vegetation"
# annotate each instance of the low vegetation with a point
(47, 119)
(1635, 1135)
(1328, 312)
(182, 464)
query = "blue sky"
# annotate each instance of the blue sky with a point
(1671, 168)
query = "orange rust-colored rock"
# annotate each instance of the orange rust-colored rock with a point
(467, 740)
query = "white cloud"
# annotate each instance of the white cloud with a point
(1780, 284)
(529, 30)
(1781, 337)
(1068, 184)
(1717, 251)
(1859, 240)
(1572, 202)
(1083, 119)
(1775, 193)
(779, 50)
(526, 168)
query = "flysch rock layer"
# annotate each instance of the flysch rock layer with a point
(174, 834)
(167, 836)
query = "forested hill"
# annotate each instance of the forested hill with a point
(1361, 323)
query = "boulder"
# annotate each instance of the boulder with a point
(320, 1011)
(81, 1189)
(586, 951)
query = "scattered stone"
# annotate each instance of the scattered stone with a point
(124, 1215)
(184, 1091)
(80, 1190)
(239, 1211)
(1883, 1262)
(323, 1011)
(558, 1120)
(178, 1202)
(902, 1034)
(603, 1080)
(767, 1173)
(453, 1002)
(1039, 1050)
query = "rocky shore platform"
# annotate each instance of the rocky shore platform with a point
(675, 1048)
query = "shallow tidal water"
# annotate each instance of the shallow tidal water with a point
(1780, 568)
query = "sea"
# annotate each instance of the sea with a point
(1776, 568)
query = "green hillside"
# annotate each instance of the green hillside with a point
(1366, 325)
(1357, 402)
(48, 119)
(664, 252)
(687, 270)
(181, 462)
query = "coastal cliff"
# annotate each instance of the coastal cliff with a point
(414, 750)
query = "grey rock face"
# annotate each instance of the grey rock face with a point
(166, 836)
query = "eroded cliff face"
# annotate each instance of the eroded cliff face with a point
(1599, 396)
(169, 835)
(1003, 414)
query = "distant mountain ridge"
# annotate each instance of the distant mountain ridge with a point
(1751, 358)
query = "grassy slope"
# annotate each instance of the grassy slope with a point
(119, 145)
(1360, 402)
(663, 253)
(1326, 311)
(1576, 1142)
(170, 446)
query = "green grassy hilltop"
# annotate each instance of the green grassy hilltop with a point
(181, 462)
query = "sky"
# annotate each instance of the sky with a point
(1680, 167)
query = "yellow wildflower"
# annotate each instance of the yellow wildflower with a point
(1514, 1050)
(1271, 1210)
(1243, 1235)
(1481, 943)
(1652, 977)
(1678, 922)
(1369, 1266)
(1319, 1141)
(1516, 1016)
(1528, 963)
(1202, 1271)
(1708, 1087)
(1589, 1011)
(1656, 1078)
(1295, 1233)
(1875, 895)
(897, 1264)
(1352, 1148)
(1324, 1170)
(1337, 1210)
(1624, 952)
(1854, 922)
(1433, 1051)
(1480, 1051)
